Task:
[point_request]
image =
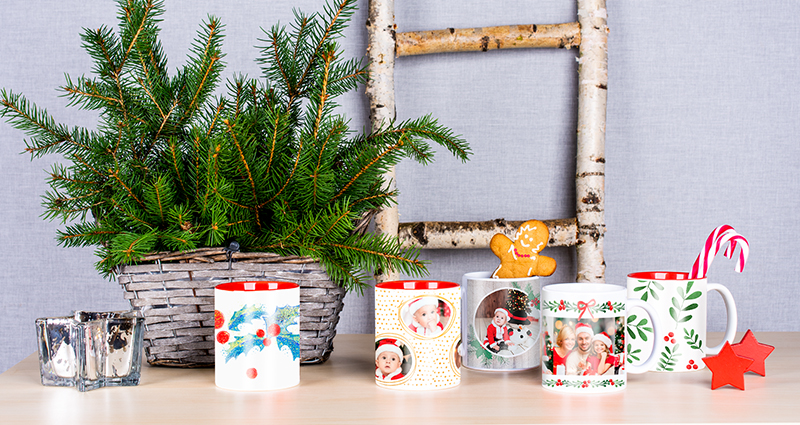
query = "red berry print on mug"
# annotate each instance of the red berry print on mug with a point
(223, 337)
(260, 333)
(692, 365)
(252, 373)
(670, 337)
(219, 319)
(274, 330)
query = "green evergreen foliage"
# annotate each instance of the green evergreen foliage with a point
(271, 164)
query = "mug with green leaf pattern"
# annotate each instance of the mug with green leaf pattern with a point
(682, 305)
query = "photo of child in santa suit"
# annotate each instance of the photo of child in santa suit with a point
(601, 360)
(388, 360)
(497, 337)
(422, 317)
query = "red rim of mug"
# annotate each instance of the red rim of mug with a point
(415, 285)
(661, 276)
(261, 285)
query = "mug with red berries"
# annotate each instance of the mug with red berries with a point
(682, 304)
(257, 335)
(417, 335)
(584, 337)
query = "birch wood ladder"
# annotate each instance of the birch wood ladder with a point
(590, 35)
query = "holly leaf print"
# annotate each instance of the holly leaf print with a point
(240, 345)
(292, 341)
(246, 314)
(285, 320)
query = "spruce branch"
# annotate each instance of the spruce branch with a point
(270, 163)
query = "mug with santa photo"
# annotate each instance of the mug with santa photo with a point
(501, 322)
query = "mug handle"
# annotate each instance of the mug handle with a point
(730, 328)
(655, 319)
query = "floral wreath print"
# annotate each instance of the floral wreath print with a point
(681, 310)
(586, 308)
(422, 316)
(563, 382)
(394, 360)
(506, 335)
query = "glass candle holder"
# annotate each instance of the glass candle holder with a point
(90, 350)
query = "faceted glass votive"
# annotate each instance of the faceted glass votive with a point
(91, 350)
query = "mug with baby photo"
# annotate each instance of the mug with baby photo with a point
(501, 322)
(394, 361)
(423, 318)
(583, 346)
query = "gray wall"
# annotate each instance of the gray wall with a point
(702, 130)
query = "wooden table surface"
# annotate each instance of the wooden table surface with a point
(343, 391)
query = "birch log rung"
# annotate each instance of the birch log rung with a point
(566, 35)
(477, 234)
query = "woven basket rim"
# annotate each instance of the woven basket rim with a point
(217, 254)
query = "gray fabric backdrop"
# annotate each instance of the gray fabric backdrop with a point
(702, 130)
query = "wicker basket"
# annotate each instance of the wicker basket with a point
(175, 292)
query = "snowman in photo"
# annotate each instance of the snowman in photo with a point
(519, 331)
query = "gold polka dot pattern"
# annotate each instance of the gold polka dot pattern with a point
(434, 368)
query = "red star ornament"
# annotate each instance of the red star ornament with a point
(727, 368)
(750, 347)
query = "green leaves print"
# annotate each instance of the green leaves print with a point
(667, 361)
(679, 307)
(692, 339)
(649, 290)
(633, 353)
(638, 328)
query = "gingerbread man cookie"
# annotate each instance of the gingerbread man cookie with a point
(520, 257)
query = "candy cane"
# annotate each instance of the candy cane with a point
(702, 258)
(716, 240)
(744, 252)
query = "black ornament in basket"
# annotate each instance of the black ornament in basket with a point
(175, 293)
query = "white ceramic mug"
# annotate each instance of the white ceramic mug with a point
(417, 335)
(682, 304)
(257, 335)
(500, 322)
(584, 334)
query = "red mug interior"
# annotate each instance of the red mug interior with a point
(256, 286)
(661, 276)
(416, 284)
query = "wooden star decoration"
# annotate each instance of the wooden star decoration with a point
(750, 347)
(727, 368)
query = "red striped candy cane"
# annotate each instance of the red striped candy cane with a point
(716, 240)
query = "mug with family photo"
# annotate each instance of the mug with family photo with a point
(583, 348)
